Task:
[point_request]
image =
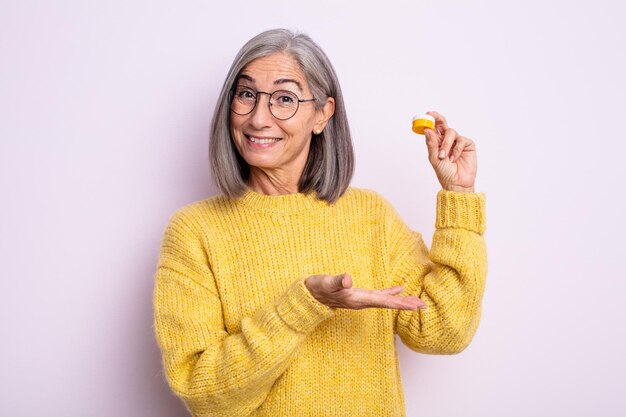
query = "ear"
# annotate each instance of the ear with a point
(325, 113)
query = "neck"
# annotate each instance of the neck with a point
(273, 182)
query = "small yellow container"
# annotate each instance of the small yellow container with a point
(422, 122)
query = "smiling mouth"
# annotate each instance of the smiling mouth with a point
(262, 141)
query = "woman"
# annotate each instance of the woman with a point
(281, 297)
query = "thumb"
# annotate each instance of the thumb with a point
(432, 143)
(343, 281)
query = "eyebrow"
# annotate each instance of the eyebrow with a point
(277, 82)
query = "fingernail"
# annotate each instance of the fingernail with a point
(442, 153)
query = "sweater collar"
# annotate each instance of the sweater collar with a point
(283, 204)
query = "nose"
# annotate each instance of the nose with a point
(261, 116)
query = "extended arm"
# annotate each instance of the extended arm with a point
(213, 372)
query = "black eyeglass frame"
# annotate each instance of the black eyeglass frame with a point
(231, 97)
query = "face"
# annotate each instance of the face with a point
(267, 143)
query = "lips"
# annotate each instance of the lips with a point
(262, 142)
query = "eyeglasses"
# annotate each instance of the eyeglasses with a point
(283, 104)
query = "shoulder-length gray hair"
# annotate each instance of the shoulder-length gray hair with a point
(330, 163)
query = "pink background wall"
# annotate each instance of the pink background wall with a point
(104, 113)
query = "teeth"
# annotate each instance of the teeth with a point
(263, 141)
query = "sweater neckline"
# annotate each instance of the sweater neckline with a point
(284, 203)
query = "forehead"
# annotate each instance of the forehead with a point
(272, 70)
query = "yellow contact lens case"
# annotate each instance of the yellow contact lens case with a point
(422, 122)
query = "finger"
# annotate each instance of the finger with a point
(394, 302)
(441, 124)
(341, 281)
(448, 141)
(392, 291)
(456, 151)
(432, 143)
(413, 302)
(409, 303)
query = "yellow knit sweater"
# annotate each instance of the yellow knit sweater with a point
(241, 335)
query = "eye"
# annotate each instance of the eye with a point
(285, 98)
(245, 93)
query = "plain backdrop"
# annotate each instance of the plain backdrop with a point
(104, 116)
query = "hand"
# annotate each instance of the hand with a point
(337, 292)
(452, 156)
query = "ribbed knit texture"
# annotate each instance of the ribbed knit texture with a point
(241, 335)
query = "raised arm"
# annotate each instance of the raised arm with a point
(213, 372)
(450, 279)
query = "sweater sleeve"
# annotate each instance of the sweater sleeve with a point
(450, 279)
(216, 373)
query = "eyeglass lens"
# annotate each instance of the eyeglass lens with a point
(283, 104)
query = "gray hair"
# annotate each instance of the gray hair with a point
(330, 163)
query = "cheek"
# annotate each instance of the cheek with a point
(303, 127)
(235, 137)
(235, 131)
(233, 125)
